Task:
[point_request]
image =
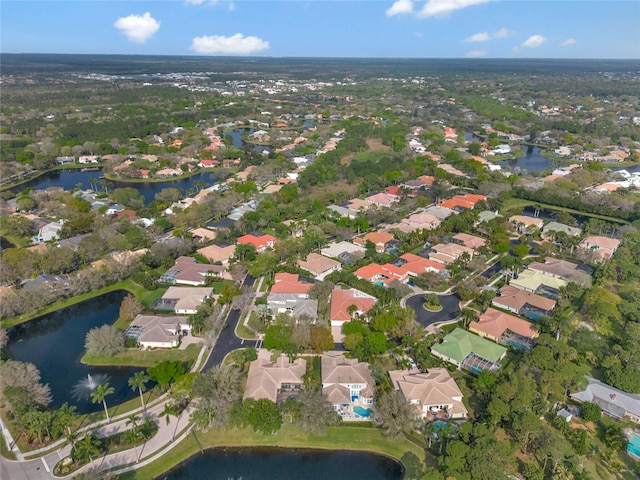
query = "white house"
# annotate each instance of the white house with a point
(430, 393)
(156, 331)
(346, 381)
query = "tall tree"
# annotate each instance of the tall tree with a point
(100, 395)
(139, 381)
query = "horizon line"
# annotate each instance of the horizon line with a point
(263, 57)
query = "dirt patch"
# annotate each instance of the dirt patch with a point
(319, 193)
(376, 144)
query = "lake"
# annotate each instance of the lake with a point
(285, 464)
(532, 161)
(236, 137)
(55, 344)
(69, 179)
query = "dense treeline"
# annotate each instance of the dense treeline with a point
(551, 197)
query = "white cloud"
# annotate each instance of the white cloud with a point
(231, 5)
(534, 41)
(478, 37)
(502, 33)
(476, 53)
(485, 36)
(235, 45)
(400, 7)
(441, 8)
(569, 41)
(138, 28)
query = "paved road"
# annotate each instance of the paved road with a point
(491, 271)
(450, 307)
(227, 341)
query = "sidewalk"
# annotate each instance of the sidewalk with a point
(166, 436)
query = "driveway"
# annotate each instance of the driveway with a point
(450, 307)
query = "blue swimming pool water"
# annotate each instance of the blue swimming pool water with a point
(363, 412)
(634, 445)
(438, 424)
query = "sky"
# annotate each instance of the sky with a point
(325, 28)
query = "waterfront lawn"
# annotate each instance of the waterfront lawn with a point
(128, 285)
(289, 436)
(147, 298)
(135, 357)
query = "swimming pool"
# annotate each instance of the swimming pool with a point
(633, 447)
(439, 424)
(363, 412)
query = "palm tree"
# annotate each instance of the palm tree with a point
(86, 448)
(429, 430)
(133, 433)
(139, 381)
(99, 395)
(468, 315)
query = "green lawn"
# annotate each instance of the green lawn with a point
(289, 436)
(147, 298)
(144, 358)
(128, 285)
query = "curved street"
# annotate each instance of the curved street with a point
(450, 308)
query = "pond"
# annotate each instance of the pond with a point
(532, 161)
(236, 137)
(284, 464)
(69, 179)
(55, 344)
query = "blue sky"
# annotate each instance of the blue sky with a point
(325, 28)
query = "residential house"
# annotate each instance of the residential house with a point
(382, 199)
(52, 283)
(203, 234)
(539, 283)
(168, 172)
(486, 216)
(422, 221)
(505, 329)
(187, 271)
(431, 394)
(357, 205)
(551, 229)
(382, 275)
(470, 241)
(290, 294)
(346, 381)
(346, 252)
(523, 303)
(415, 265)
(186, 300)
(319, 265)
(440, 212)
(384, 242)
(158, 331)
(341, 300)
(449, 252)
(292, 283)
(468, 351)
(218, 252)
(88, 159)
(604, 247)
(49, 232)
(561, 269)
(613, 402)
(207, 163)
(261, 242)
(462, 202)
(525, 224)
(277, 380)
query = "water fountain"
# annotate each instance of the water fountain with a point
(82, 390)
